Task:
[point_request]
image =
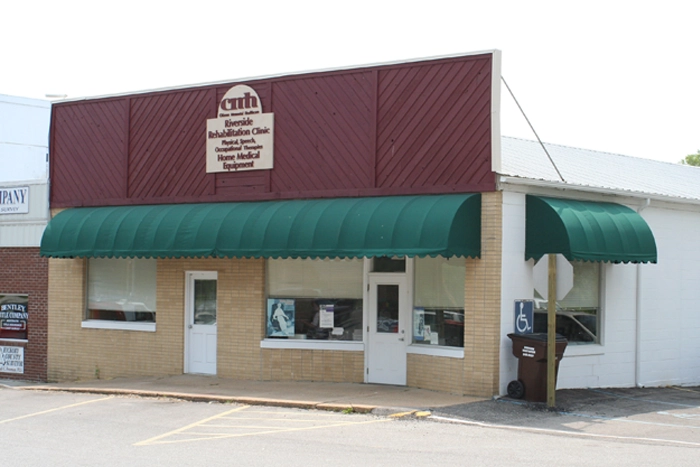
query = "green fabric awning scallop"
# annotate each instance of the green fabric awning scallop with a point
(587, 231)
(444, 225)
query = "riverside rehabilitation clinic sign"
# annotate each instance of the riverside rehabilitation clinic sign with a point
(241, 137)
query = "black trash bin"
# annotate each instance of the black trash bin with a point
(531, 351)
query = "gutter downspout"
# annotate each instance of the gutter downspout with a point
(638, 314)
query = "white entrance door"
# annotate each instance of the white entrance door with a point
(388, 329)
(200, 324)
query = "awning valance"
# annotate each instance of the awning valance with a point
(440, 225)
(586, 230)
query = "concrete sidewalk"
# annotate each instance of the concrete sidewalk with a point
(365, 398)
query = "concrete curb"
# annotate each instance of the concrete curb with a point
(329, 406)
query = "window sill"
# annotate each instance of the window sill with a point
(436, 351)
(12, 340)
(583, 350)
(119, 325)
(310, 344)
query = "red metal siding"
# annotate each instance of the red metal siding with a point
(88, 152)
(25, 272)
(166, 150)
(322, 133)
(434, 136)
(421, 127)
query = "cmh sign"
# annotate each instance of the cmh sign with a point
(242, 136)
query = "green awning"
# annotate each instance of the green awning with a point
(441, 225)
(586, 230)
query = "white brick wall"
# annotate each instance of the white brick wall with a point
(516, 278)
(669, 349)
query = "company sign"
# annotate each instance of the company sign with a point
(14, 200)
(241, 137)
(14, 316)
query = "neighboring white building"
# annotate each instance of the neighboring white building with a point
(24, 213)
(648, 331)
(24, 156)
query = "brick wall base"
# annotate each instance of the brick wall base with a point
(24, 272)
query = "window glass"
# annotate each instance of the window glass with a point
(438, 314)
(386, 264)
(388, 308)
(204, 302)
(578, 312)
(121, 289)
(319, 299)
(14, 316)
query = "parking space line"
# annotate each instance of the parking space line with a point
(300, 420)
(192, 425)
(258, 433)
(193, 436)
(678, 388)
(621, 396)
(630, 420)
(43, 412)
(556, 432)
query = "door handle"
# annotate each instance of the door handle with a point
(189, 326)
(401, 339)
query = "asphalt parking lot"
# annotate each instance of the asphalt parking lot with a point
(64, 428)
(649, 415)
(669, 414)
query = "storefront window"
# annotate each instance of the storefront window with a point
(121, 290)
(314, 299)
(577, 313)
(438, 313)
(14, 316)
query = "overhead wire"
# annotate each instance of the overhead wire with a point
(533, 130)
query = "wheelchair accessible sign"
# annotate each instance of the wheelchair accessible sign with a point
(524, 316)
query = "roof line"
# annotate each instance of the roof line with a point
(278, 75)
(533, 182)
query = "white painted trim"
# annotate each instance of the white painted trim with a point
(514, 184)
(118, 325)
(304, 344)
(283, 75)
(436, 351)
(190, 277)
(367, 267)
(404, 280)
(496, 160)
(584, 350)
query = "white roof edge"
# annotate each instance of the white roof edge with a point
(32, 182)
(279, 75)
(496, 137)
(522, 181)
(28, 101)
(598, 151)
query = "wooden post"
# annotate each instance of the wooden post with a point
(551, 330)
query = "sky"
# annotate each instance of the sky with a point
(614, 76)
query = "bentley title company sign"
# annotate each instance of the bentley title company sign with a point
(241, 137)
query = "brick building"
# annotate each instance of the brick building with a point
(24, 214)
(357, 225)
